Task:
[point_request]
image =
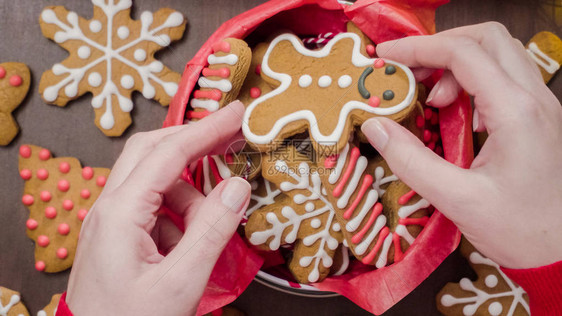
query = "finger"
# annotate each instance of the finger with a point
(208, 233)
(477, 124)
(234, 144)
(509, 53)
(166, 235)
(155, 174)
(182, 197)
(137, 147)
(445, 91)
(440, 182)
(471, 66)
(422, 73)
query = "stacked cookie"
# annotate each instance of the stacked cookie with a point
(322, 190)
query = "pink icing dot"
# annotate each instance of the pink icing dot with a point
(255, 92)
(67, 205)
(62, 253)
(43, 241)
(25, 174)
(379, 63)
(374, 101)
(44, 154)
(221, 47)
(64, 167)
(82, 214)
(27, 199)
(63, 229)
(50, 212)
(258, 69)
(85, 194)
(370, 50)
(15, 81)
(40, 266)
(100, 181)
(87, 173)
(25, 151)
(45, 196)
(2, 72)
(63, 185)
(420, 121)
(42, 174)
(31, 224)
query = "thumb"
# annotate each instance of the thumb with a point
(207, 233)
(435, 179)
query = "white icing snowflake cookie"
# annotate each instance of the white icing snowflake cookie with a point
(111, 56)
(10, 303)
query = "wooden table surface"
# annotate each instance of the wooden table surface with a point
(70, 131)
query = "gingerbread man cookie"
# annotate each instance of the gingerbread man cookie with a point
(303, 216)
(10, 303)
(254, 86)
(111, 56)
(14, 84)
(58, 193)
(492, 293)
(51, 308)
(222, 79)
(326, 92)
(545, 49)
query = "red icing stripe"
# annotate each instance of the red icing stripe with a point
(350, 167)
(398, 254)
(214, 94)
(377, 210)
(367, 181)
(422, 221)
(215, 169)
(197, 115)
(221, 46)
(331, 161)
(406, 197)
(221, 72)
(371, 256)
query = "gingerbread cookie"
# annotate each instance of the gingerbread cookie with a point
(377, 233)
(254, 86)
(326, 92)
(492, 293)
(58, 193)
(110, 67)
(14, 84)
(10, 303)
(545, 49)
(264, 193)
(51, 308)
(303, 216)
(222, 79)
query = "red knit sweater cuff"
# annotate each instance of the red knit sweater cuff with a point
(62, 308)
(543, 285)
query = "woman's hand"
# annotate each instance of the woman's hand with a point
(118, 269)
(509, 203)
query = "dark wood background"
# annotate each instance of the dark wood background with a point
(70, 131)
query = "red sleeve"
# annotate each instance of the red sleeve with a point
(62, 308)
(543, 285)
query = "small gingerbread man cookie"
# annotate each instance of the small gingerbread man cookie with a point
(14, 84)
(326, 92)
(10, 303)
(545, 48)
(51, 308)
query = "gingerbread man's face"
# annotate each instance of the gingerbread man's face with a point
(325, 92)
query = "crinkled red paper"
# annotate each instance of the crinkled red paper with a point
(374, 290)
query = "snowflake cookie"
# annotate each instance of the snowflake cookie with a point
(492, 293)
(325, 92)
(14, 84)
(51, 308)
(545, 49)
(111, 56)
(10, 303)
(303, 216)
(58, 193)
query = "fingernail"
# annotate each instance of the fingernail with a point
(375, 132)
(235, 194)
(433, 92)
(475, 120)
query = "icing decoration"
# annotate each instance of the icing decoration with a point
(87, 173)
(357, 60)
(43, 241)
(40, 265)
(50, 212)
(63, 26)
(68, 205)
(370, 49)
(305, 81)
(63, 185)
(389, 70)
(228, 59)
(345, 259)
(45, 196)
(221, 72)
(318, 41)
(324, 81)
(44, 154)
(15, 81)
(345, 81)
(139, 54)
(221, 46)
(379, 63)
(25, 174)
(361, 84)
(63, 229)
(546, 62)
(42, 174)
(475, 297)
(260, 201)
(100, 181)
(210, 167)
(85, 193)
(374, 101)
(2, 72)
(27, 199)
(31, 224)
(64, 167)
(82, 214)
(14, 299)
(388, 95)
(62, 253)
(255, 92)
(25, 151)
